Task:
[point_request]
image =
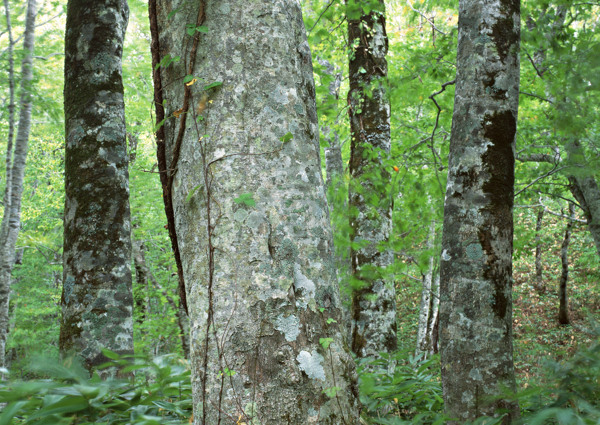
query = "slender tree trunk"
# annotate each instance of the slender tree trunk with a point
(97, 301)
(476, 268)
(337, 197)
(563, 308)
(251, 215)
(374, 299)
(435, 316)
(144, 277)
(539, 282)
(429, 301)
(15, 173)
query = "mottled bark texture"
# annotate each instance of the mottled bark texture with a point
(430, 300)
(251, 216)
(563, 299)
(374, 298)
(15, 173)
(476, 268)
(97, 302)
(584, 188)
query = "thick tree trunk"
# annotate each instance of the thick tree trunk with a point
(476, 268)
(584, 188)
(563, 307)
(374, 298)
(251, 215)
(97, 302)
(15, 173)
(538, 282)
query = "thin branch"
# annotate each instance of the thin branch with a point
(426, 18)
(537, 71)
(543, 176)
(536, 96)
(321, 15)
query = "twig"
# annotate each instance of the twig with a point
(321, 15)
(426, 18)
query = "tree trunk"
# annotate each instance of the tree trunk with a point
(251, 217)
(97, 301)
(374, 296)
(144, 276)
(563, 308)
(15, 173)
(538, 282)
(584, 188)
(476, 268)
(429, 300)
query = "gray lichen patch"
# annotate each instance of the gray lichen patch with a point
(311, 364)
(288, 326)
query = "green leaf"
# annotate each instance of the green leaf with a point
(211, 85)
(187, 79)
(287, 137)
(246, 199)
(159, 125)
(10, 411)
(65, 405)
(330, 321)
(325, 342)
(331, 391)
(173, 12)
(188, 198)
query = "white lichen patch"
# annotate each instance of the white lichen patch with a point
(311, 364)
(305, 289)
(288, 326)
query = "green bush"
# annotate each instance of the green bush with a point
(401, 388)
(158, 394)
(571, 393)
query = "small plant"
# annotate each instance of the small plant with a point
(401, 388)
(158, 394)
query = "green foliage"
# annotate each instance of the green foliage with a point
(570, 393)
(401, 388)
(159, 393)
(245, 199)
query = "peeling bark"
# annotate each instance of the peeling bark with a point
(251, 216)
(374, 302)
(97, 301)
(15, 173)
(476, 268)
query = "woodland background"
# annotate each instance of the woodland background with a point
(559, 99)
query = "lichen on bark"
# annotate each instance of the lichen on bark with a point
(374, 301)
(476, 267)
(251, 217)
(97, 301)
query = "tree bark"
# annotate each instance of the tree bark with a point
(251, 215)
(538, 282)
(563, 307)
(15, 173)
(97, 301)
(374, 296)
(476, 268)
(429, 301)
(584, 188)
